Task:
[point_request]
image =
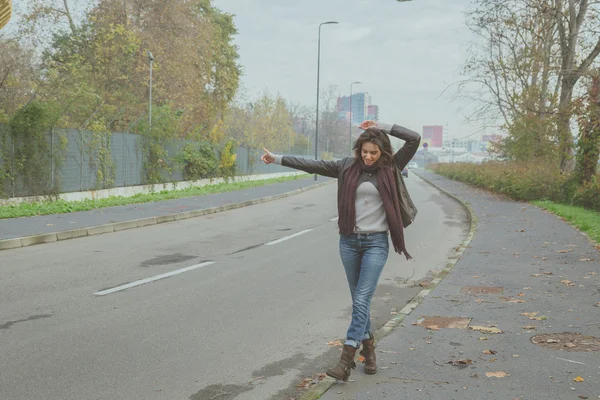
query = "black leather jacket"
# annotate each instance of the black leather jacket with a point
(336, 169)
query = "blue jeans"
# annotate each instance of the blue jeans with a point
(363, 256)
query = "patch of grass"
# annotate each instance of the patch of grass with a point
(63, 207)
(587, 221)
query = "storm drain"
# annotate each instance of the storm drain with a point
(567, 341)
(481, 289)
(443, 322)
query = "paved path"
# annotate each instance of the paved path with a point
(79, 223)
(544, 269)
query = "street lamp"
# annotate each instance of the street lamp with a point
(350, 125)
(318, 71)
(150, 60)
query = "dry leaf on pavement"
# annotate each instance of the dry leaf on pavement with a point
(511, 300)
(497, 374)
(528, 327)
(335, 343)
(529, 314)
(536, 275)
(488, 352)
(485, 329)
(541, 318)
(578, 379)
(461, 362)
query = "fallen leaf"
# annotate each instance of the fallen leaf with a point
(597, 305)
(582, 397)
(536, 275)
(521, 294)
(528, 327)
(488, 352)
(511, 300)
(544, 258)
(529, 314)
(585, 259)
(498, 374)
(578, 379)
(527, 288)
(521, 230)
(485, 329)
(461, 362)
(515, 356)
(361, 359)
(548, 273)
(552, 341)
(335, 343)
(394, 313)
(483, 338)
(433, 327)
(541, 318)
(565, 251)
(567, 282)
(570, 345)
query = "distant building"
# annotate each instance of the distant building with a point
(434, 135)
(490, 138)
(360, 107)
(373, 112)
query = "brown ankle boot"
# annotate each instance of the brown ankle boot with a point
(341, 371)
(368, 352)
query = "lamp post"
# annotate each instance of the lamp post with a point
(150, 60)
(350, 124)
(318, 71)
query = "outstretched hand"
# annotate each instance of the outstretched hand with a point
(268, 157)
(368, 124)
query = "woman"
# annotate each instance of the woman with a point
(372, 201)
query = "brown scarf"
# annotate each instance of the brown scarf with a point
(386, 184)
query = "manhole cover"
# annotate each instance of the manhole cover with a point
(481, 289)
(443, 322)
(567, 341)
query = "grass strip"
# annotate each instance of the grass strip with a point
(59, 206)
(587, 221)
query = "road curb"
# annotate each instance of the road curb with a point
(320, 388)
(7, 244)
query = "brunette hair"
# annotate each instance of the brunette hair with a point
(378, 138)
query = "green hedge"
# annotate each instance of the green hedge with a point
(524, 181)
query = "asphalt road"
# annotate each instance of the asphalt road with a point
(216, 307)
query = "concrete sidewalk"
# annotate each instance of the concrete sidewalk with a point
(516, 318)
(21, 232)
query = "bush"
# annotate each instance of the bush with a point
(227, 164)
(588, 195)
(522, 181)
(199, 161)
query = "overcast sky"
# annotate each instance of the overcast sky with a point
(405, 53)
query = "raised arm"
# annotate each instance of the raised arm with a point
(321, 167)
(411, 143)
